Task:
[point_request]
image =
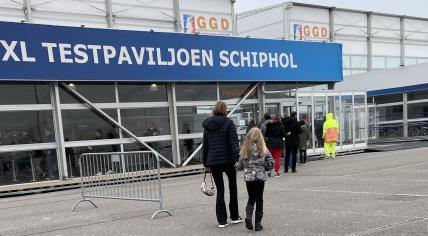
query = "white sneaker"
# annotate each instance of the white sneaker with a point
(222, 225)
(237, 221)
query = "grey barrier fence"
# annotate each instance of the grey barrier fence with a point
(121, 175)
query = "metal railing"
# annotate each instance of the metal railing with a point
(121, 175)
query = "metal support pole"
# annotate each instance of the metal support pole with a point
(234, 20)
(173, 121)
(405, 117)
(109, 14)
(369, 42)
(353, 120)
(28, 11)
(331, 24)
(402, 40)
(366, 119)
(112, 121)
(59, 133)
(228, 115)
(177, 22)
(262, 101)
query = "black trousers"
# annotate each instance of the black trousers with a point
(290, 150)
(255, 194)
(217, 172)
(303, 156)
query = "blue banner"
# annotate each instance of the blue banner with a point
(57, 53)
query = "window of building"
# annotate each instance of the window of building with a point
(94, 92)
(25, 127)
(147, 121)
(86, 125)
(163, 147)
(196, 92)
(392, 62)
(390, 113)
(236, 90)
(378, 63)
(359, 61)
(410, 61)
(21, 167)
(417, 95)
(390, 98)
(190, 118)
(142, 92)
(346, 61)
(24, 93)
(286, 88)
(417, 110)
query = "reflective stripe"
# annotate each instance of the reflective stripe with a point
(331, 135)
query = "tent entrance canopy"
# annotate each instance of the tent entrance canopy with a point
(56, 53)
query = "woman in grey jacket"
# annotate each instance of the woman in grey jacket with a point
(255, 160)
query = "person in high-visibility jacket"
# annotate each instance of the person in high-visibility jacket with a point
(330, 136)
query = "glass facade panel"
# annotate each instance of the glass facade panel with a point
(346, 124)
(390, 113)
(417, 110)
(378, 62)
(187, 147)
(196, 92)
(359, 61)
(346, 61)
(422, 60)
(142, 92)
(163, 147)
(410, 61)
(390, 131)
(25, 127)
(305, 113)
(74, 153)
(94, 92)
(418, 128)
(279, 87)
(360, 119)
(320, 104)
(24, 93)
(19, 167)
(417, 95)
(390, 98)
(243, 115)
(392, 62)
(146, 122)
(190, 118)
(233, 90)
(86, 125)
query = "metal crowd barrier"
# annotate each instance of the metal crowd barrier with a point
(121, 175)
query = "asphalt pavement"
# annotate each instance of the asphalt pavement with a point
(382, 193)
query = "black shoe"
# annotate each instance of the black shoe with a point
(285, 171)
(249, 224)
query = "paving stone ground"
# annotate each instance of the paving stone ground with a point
(383, 193)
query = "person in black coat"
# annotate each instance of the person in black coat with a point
(292, 131)
(220, 153)
(275, 140)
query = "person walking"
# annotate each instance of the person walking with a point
(255, 160)
(303, 142)
(292, 131)
(330, 136)
(275, 141)
(266, 120)
(220, 153)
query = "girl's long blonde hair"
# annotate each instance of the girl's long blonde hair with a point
(254, 136)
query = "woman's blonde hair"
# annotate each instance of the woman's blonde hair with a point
(220, 109)
(254, 136)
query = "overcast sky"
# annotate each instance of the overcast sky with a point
(401, 7)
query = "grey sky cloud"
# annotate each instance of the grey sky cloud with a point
(417, 8)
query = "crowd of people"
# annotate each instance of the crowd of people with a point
(260, 152)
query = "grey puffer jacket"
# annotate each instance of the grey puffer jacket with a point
(255, 167)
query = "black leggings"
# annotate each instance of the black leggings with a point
(255, 194)
(303, 156)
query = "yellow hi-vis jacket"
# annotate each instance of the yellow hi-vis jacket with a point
(330, 129)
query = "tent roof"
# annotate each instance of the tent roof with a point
(388, 81)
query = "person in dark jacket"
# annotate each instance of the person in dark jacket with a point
(292, 131)
(220, 154)
(275, 140)
(303, 142)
